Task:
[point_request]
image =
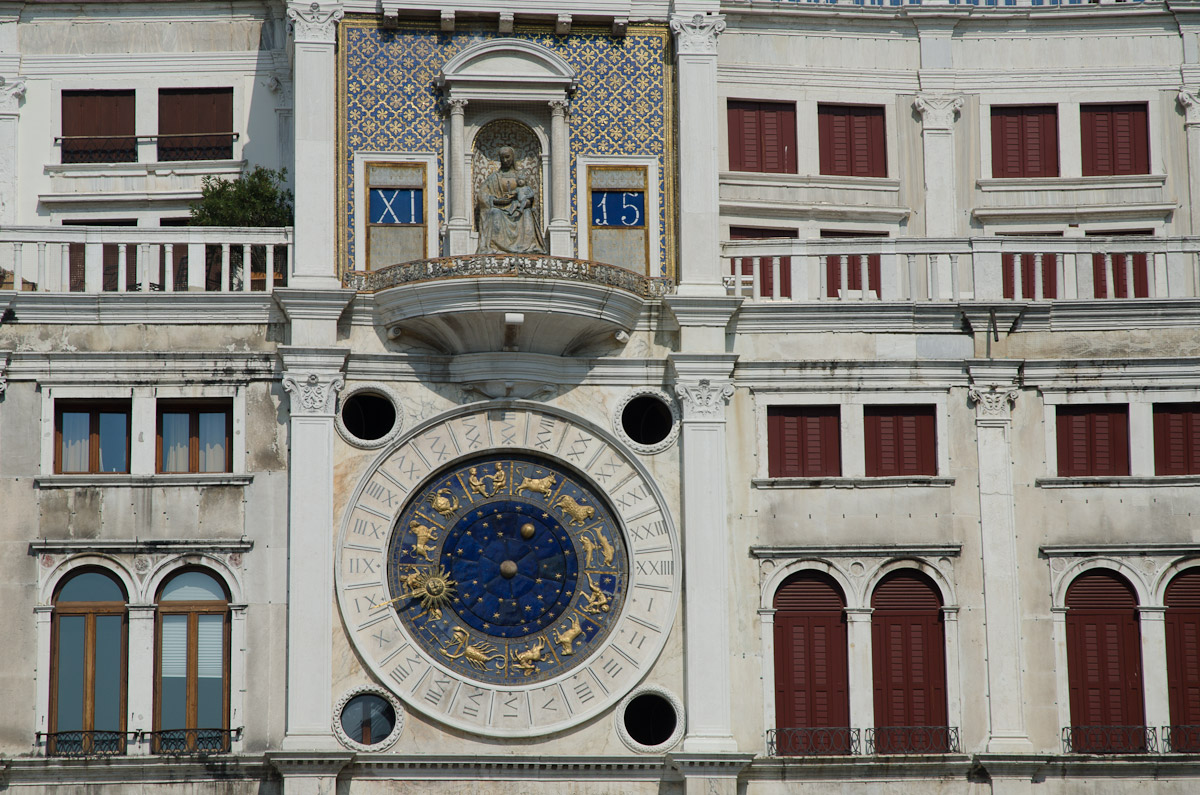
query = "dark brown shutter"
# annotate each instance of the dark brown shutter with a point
(98, 127)
(908, 650)
(1104, 660)
(1093, 441)
(1115, 139)
(852, 140)
(1177, 438)
(833, 265)
(745, 265)
(1025, 141)
(762, 136)
(195, 123)
(900, 440)
(811, 670)
(1183, 657)
(803, 441)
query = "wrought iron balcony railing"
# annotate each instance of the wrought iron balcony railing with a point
(85, 743)
(1181, 739)
(191, 741)
(912, 740)
(813, 742)
(1109, 739)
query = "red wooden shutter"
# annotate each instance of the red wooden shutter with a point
(1115, 139)
(1183, 659)
(106, 115)
(900, 440)
(1049, 274)
(1177, 438)
(1025, 141)
(745, 265)
(833, 265)
(762, 136)
(803, 441)
(811, 664)
(1093, 441)
(1104, 662)
(852, 140)
(195, 123)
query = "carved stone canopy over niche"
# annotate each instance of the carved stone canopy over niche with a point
(507, 70)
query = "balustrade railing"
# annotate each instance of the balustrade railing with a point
(912, 740)
(992, 269)
(1109, 739)
(101, 259)
(813, 742)
(974, 3)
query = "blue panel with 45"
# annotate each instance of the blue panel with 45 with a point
(618, 208)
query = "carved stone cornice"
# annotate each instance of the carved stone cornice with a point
(938, 110)
(704, 399)
(1189, 100)
(993, 402)
(313, 393)
(697, 34)
(11, 95)
(315, 23)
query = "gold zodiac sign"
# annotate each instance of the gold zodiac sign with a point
(542, 486)
(435, 590)
(477, 485)
(526, 661)
(424, 536)
(408, 583)
(446, 506)
(477, 655)
(566, 639)
(579, 513)
(597, 600)
(607, 550)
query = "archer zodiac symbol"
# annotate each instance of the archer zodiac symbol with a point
(566, 639)
(597, 600)
(446, 506)
(607, 550)
(424, 536)
(526, 661)
(477, 655)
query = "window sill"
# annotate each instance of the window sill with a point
(1122, 182)
(757, 178)
(927, 481)
(142, 169)
(1121, 481)
(140, 481)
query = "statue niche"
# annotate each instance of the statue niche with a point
(507, 165)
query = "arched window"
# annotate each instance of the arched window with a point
(191, 711)
(88, 641)
(1104, 665)
(812, 700)
(908, 639)
(1183, 660)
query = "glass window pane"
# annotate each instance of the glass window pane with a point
(75, 431)
(173, 666)
(69, 687)
(108, 673)
(175, 442)
(192, 586)
(210, 672)
(114, 442)
(91, 586)
(368, 719)
(212, 441)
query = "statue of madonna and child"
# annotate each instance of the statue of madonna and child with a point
(507, 217)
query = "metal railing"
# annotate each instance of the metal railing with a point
(191, 741)
(1181, 739)
(912, 740)
(172, 147)
(85, 743)
(990, 269)
(536, 266)
(99, 259)
(1109, 739)
(813, 742)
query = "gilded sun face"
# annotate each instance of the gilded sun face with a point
(435, 590)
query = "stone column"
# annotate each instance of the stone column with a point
(860, 675)
(458, 193)
(937, 133)
(1189, 98)
(140, 693)
(312, 378)
(560, 158)
(994, 390)
(314, 29)
(1153, 624)
(707, 547)
(699, 204)
(11, 95)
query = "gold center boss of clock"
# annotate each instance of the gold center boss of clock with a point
(510, 571)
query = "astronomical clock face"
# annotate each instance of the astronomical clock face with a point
(508, 571)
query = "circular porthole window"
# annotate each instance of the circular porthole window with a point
(367, 719)
(647, 420)
(368, 416)
(650, 719)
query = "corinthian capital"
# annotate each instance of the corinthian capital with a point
(1189, 100)
(704, 399)
(937, 111)
(313, 393)
(11, 95)
(993, 402)
(697, 34)
(315, 23)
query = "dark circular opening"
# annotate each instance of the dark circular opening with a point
(368, 416)
(368, 719)
(646, 419)
(650, 719)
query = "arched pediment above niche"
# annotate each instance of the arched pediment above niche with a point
(509, 70)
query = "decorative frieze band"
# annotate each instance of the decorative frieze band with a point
(313, 393)
(705, 399)
(697, 34)
(315, 23)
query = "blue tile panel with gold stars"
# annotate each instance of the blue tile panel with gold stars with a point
(389, 102)
(507, 570)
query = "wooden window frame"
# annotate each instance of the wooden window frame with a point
(645, 224)
(866, 145)
(1046, 118)
(368, 225)
(94, 408)
(828, 420)
(925, 440)
(122, 146)
(1189, 414)
(1183, 669)
(1138, 142)
(193, 408)
(1119, 454)
(171, 147)
(784, 161)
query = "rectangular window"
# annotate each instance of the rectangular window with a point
(744, 267)
(1177, 438)
(91, 437)
(854, 263)
(1025, 141)
(396, 223)
(900, 440)
(98, 127)
(1093, 441)
(617, 231)
(194, 437)
(762, 136)
(195, 124)
(1116, 139)
(803, 441)
(852, 140)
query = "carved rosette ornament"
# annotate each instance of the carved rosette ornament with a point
(704, 400)
(697, 34)
(315, 393)
(1189, 100)
(993, 402)
(315, 23)
(11, 95)
(937, 111)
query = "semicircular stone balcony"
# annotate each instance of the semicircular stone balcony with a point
(494, 302)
